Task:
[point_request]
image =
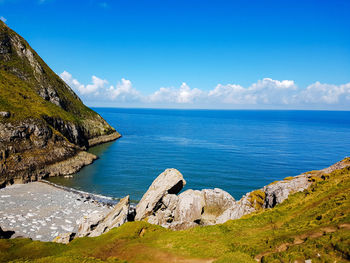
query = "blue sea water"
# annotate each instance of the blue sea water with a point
(238, 150)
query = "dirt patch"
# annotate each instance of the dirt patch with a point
(300, 239)
(140, 253)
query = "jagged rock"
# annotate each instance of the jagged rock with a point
(190, 206)
(64, 238)
(170, 181)
(277, 192)
(216, 202)
(166, 213)
(237, 210)
(71, 165)
(115, 218)
(89, 223)
(96, 224)
(103, 139)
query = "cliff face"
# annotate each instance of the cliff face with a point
(42, 121)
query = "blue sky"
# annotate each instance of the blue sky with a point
(193, 54)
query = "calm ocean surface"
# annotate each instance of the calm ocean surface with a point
(237, 151)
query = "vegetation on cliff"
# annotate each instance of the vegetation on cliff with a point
(42, 120)
(313, 224)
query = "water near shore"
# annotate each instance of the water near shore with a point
(237, 151)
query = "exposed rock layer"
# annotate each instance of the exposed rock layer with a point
(96, 224)
(170, 181)
(42, 121)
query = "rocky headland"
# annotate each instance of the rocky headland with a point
(45, 129)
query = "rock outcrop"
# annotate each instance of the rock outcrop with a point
(277, 192)
(191, 208)
(170, 181)
(42, 121)
(161, 205)
(216, 201)
(96, 224)
(64, 238)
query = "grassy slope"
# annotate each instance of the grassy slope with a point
(19, 96)
(314, 224)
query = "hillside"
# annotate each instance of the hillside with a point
(42, 121)
(313, 224)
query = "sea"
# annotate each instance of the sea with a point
(235, 150)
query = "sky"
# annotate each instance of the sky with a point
(238, 54)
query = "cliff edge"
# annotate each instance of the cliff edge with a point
(44, 126)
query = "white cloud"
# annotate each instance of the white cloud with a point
(93, 88)
(3, 19)
(263, 93)
(123, 92)
(266, 91)
(184, 94)
(97, 84)
(319, 93)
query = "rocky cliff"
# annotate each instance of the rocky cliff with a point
(44, 126)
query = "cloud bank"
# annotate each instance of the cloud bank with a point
(262, 94)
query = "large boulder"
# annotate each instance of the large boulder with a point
(170, 181)
(190, 206)
(115, 218)
(216, 202)
(89, 223)
(96, 224)
(166, 213)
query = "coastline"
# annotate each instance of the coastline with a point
(104, 200)
(104, 138)
(70, 165)
(42, 211)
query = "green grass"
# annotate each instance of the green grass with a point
(19, 86)
(318, 217)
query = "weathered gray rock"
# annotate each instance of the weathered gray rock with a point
(64, 238)
(89, 223)
(96, 224)
(216, 202)
(170, 181)
(190, 206)
(115, 218)
(237, 210)
(165, 214)
(277, 192)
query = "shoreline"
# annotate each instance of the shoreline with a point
(41, 210)
(105, 200)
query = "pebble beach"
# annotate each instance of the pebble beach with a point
(41, 211)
